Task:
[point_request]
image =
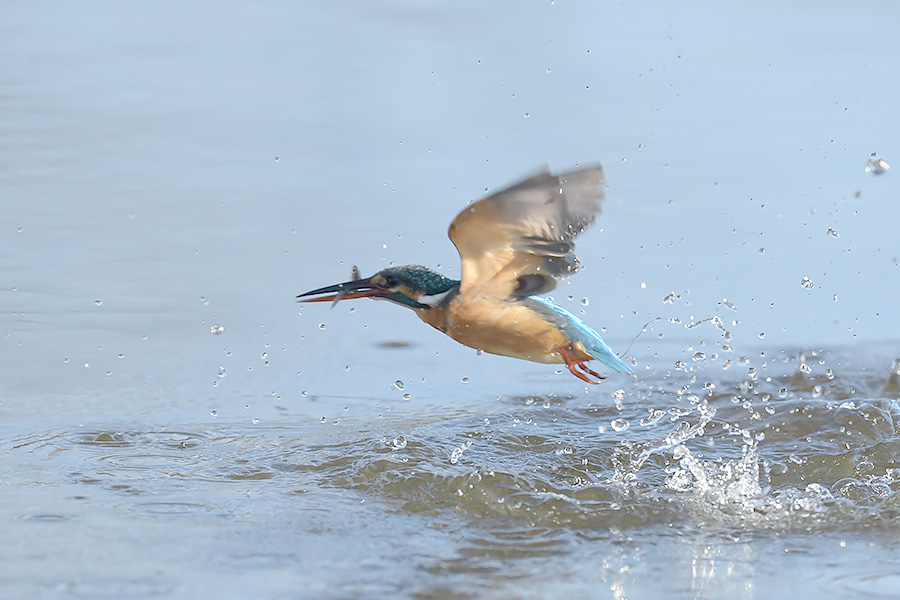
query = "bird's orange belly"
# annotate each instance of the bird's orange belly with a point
(507, 329)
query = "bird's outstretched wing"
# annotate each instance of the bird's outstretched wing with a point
(516, 242)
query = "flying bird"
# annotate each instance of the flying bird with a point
(514, 245)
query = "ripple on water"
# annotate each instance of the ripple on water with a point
(118, 459)
(120, 439)
(46, 517)
(170, 508)
(134, 461)
(862, 580)
(145, 461)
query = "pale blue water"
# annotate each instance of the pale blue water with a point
(169, 168)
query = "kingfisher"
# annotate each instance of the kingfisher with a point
(514, 245)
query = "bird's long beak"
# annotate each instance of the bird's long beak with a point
(360, 288)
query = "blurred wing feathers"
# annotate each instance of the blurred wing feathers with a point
(517, 241)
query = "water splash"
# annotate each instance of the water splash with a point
(631, 462)
(877, 165)
(458, 452)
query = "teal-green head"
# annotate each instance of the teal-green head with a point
(413, 286)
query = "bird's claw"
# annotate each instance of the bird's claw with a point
(575, 365)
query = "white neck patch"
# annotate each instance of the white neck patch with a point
(433, 299)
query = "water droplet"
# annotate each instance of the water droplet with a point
(204, 301)
(322, 326)
(399, 442)
(464, 380)
(829, 373)
(699, 356)
(479, 352)
(619, 394)
(66, 360)
(761, 335)
(406, 396)
(323, 420)
(619, 424)
(216, 329)
(222, 372)
(98, 302)
(585, 301)
(876, 165)
(87, 365)
(833, 233)
(806, 282)
(399, 384)
(213, 414)
(783, 393)
(670, 298)
(527, 115)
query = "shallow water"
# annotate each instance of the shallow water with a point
(675, 488)
(173, 424)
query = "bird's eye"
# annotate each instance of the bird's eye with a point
(391, 281)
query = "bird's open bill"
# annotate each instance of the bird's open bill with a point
(360, 288)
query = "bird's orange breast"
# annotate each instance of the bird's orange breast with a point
(507, 328)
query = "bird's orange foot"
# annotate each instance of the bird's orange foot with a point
(575, 365)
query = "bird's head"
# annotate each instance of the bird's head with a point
(413, 286)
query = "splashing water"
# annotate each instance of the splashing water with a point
(877, 165)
